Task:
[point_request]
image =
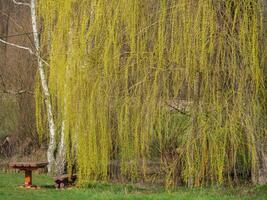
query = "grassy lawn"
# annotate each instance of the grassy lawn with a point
(9, 190)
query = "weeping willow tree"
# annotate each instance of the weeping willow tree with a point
(171, 85)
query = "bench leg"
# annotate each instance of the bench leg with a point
(28, 178)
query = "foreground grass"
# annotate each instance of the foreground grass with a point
(9, 190)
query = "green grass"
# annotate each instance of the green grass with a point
(9, 190)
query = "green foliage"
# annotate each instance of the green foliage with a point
(116, 64)
(9, 190)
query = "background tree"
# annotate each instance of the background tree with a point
(44, 85)
(17, 74)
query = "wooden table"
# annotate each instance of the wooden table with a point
(28, 167)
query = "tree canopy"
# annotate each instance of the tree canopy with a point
(174, 83)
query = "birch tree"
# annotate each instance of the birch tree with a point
(44, 84)
(52, 142)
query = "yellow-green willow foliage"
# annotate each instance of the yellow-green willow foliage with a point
(121, 69)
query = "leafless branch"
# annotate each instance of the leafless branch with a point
(177, 109)
(25, 48)
(21, 3)
(11, 92)
(11, 19)
(18, 46)
(17, 25)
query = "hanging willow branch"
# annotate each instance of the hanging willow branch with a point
(127, 57)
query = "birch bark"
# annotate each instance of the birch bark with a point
(51, 123)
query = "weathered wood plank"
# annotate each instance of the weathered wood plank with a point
(28, 164)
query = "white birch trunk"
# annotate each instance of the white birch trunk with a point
(60, 159)
(52, 142)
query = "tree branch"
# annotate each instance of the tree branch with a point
(12, 19)
(177, 109)
(18, 46)
(16, 92)
(25, 48)
(21, 3)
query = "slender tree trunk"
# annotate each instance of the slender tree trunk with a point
(52, 142)
(61, 154)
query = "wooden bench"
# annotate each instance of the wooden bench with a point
(28, 167)
(64, 180)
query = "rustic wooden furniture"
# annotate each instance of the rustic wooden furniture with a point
(28, 167)
(64, 180)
